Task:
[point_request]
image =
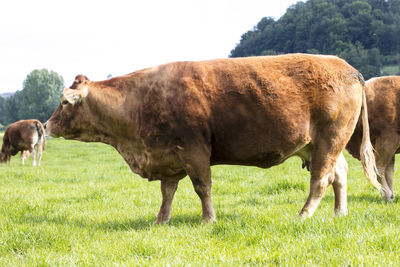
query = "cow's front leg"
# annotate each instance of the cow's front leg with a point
(168, 189)
(196, 162)
(202, 186)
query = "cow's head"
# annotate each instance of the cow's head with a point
(4, 155)
(71, 116)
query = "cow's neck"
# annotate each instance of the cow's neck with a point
(113, 116)
(115, 123)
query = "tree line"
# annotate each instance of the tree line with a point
(366, 33)
(38, 99)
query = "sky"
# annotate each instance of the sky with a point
(116, 37)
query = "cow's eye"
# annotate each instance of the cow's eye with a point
(64, 102)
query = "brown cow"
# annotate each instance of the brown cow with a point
(383, 96)
(178, 119)
(24, 136)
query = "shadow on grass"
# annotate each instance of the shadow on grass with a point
(375, 198)
(144, 223)
(113, 225)
(147, 222)
(370, 198)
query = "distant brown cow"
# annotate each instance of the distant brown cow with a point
(178, 119)
(383, 96)
(24, 136)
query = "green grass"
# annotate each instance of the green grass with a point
(390, 70)
(84, 207)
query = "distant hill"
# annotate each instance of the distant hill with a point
(5, 95)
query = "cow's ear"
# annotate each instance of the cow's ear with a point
(74, 96)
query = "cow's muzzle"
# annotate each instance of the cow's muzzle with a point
(47, 128)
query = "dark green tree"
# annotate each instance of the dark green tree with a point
(40, 95)
(364, 32)
(11, 107)
(2, 103)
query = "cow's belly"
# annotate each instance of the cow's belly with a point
(14, 149)
(260, 133)
(263, 159)
(257, 149)
(155, 165)
(257, 157)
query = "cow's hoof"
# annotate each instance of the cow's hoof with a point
(340, 213)
(208, 220)
(304, 215)
(161, 221)
(387, 195)
(389, 198)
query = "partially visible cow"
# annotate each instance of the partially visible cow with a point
(383, 96)
(180, 118)
(23, 136)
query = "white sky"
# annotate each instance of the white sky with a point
(116, 37)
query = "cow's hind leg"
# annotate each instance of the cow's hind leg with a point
(168, 189)
(33, 155)
(385, 165)
(383, 170)
(340, 186)
(322, 172)
(39, 153)
(24, 155)
(197, 165)
(389, 173)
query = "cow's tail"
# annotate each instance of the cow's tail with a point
(41, 133)
(366, 150)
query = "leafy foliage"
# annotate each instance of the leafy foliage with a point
(41, 94)
(38, 98)
(364, 32)
(11, 106)
(2, 102)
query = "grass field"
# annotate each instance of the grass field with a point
(391, 70)
(84, 207)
